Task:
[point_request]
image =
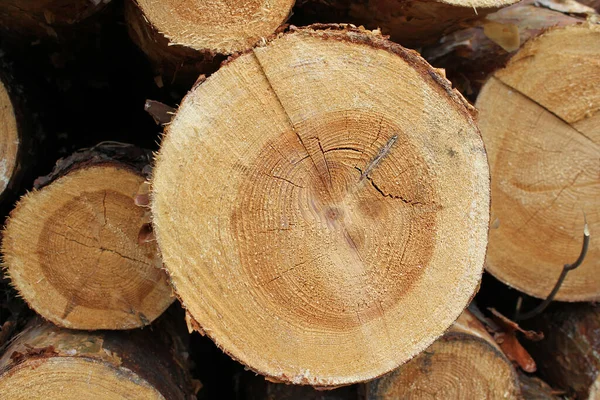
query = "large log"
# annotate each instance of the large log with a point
(465, 363)
(569, 356)
(183, 39)
(71, 247)
(47, 362)
(321, 203)
(540, 120)
(412, 23)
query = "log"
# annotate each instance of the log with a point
(71, 246)
(35, 19)
(48, 362)
(533, 388)
(183, 39)
(12, 135)
(470, 56)
(540, 120)
(309, 195)
(412, 23)
(569, 356)
(465, 363)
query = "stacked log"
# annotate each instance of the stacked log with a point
(185, 39)
(321, 202)
(72, 246)
(539, 118)
(324, 182)
(465, 363)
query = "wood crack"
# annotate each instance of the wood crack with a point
(545, 109)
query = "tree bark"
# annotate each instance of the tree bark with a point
(35, 19)
(540, 120)
(470, 56)
(185, 39)
(569, 356)
(326, 181)
(71, 246)
(533, 388)
(48, 362)
(412, 23)
(465, 363)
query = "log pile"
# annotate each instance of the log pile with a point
(319, 208)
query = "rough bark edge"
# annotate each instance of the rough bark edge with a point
(162, 348)
(358, 35)
(405, 20)
(471, 57)
(114, 153)
(168, 59)
(374, 39)
(370, 388)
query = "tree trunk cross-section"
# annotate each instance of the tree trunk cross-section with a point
(185, 38)
(322, 205)
(47, 362)
(71, 248)
(465, 363)
(540, 120)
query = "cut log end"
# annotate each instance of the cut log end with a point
(540, 119)
(465, 363)
(71, 249)
(223, 27)
(319, 202)
(9, 138)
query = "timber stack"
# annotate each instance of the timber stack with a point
(331, 214)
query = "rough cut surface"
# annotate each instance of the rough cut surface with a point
(540, 120)
(322, 206)
(71, 249)
(465, 363)
(48, 362)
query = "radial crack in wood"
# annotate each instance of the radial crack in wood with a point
(323, 282)
(539, 118)
(71, 248)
